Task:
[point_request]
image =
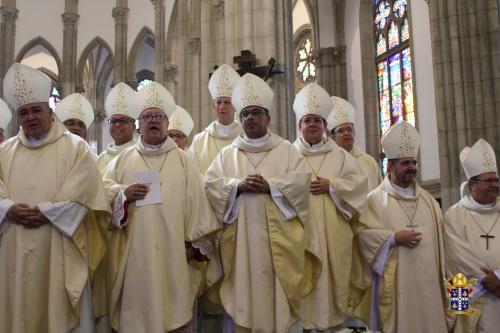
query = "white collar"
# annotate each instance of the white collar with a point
(405, 192)
(147, 146)
(316, 146)
(225, 129)
(257, 142)
(36, 142)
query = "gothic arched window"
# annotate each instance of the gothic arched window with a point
(394, 63)
(305, 60)
(54, 99)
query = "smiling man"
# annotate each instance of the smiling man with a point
(121, 113)
(221, 132)
(338, 192)
(472, 238)
(341, 125)
(76, 113)
(258, 187)
(51, 202)
(154, 244)
(402, 243)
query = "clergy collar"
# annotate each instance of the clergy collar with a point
(225, 129)
(36, 142)
(259, 142)
(266, 143)
(471, 204)
(326, 145)
(219, 131)
(56, 131)
(147, 149)
(406, 193)
(316, 146)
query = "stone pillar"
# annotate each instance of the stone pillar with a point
(466, 56)
(7, 40)
(332, 70)
(120, 14)
(160, 26)
(67, 77)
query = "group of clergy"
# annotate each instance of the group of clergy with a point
(241, 232)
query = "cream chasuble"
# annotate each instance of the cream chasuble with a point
(269, 263)
(207, 144)
(42, 271)
(466, 253)
(153, 289)
(369, 166)
(111, 153)
(327, 305)
(411, 296)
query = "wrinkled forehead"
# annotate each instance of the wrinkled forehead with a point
(34, 106)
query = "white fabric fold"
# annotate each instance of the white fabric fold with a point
(233, 207)
(286, 210)
(5, 205)
(66, 216)
(346, 213)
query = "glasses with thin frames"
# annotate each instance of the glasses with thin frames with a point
(255, 113)
(151, 117)
(488, 181)
(342, 131)
(115, 121)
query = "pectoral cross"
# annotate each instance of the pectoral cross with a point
(487, 240)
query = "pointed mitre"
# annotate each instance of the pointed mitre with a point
(5, 115)
(222, 81)
(251, 90)
(478, 159)
(75, 106)
(154, 95)
(342, 112)
(312, 99)
(401, 140)
(25, 85)
(121, 100)
(181, 120)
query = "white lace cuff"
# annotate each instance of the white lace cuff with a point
(204, 245)
(119, 210)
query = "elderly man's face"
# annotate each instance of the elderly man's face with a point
(224, 109)
(121, 128)
(35, 119)
(255, 121)
(343, 135)
(312, 128)
(76, 126)
(154, 126)
(180, 138)
(484, 188)
(403, 172)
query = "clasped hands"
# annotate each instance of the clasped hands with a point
(254, 183)
(408, 238)
(27, 216)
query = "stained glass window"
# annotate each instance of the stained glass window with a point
(306, 61)
(394, 64)
(143, 83)
(54, 99)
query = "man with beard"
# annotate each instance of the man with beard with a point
(341, 126)
(76, 113)
(472, 238)
(122, 114)
(160, 217)
(220, 133)
(338, 192)
(258, 187)
(402, 243)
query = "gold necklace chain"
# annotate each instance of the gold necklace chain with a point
(411, 225)
(257, 164)
(320, 165)
(215, 143)
(162, 163)
(494, 224)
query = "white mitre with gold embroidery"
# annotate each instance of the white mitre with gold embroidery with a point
(251, 90)
(222, 81)
(75, 106)
(5, 115)
(312, 99)
(478, 159)
(154, 95)
(121, 100)
(401, 140)
(25, 85)
(342, 112)
(181, 120)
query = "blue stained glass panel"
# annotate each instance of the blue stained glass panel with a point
(395, 66)
(397, 104)
(406, 55)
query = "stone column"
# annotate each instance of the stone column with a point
(160, 26)
(67, 76)
(120, 14)
(7, 40)
(466, 56)
(332, 70)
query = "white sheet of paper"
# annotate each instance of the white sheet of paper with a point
(151, 178)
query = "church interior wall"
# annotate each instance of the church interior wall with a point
(38, 57)
(101, 22)
(327, 35)
(141, 14)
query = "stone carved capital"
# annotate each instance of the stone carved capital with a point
(332, 55)
(9, 14)
(119, 12)
(99, 115)
(194, 43)
(170, 72)
(157, 3)
(69, 19)
(218, 6)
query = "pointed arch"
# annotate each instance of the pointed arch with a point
(40, 41)
(145, 35)
(97, 41)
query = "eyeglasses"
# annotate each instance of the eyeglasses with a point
(114, 121)
(255, 113)
(490, 181)
(343, 131)
(151, 117)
